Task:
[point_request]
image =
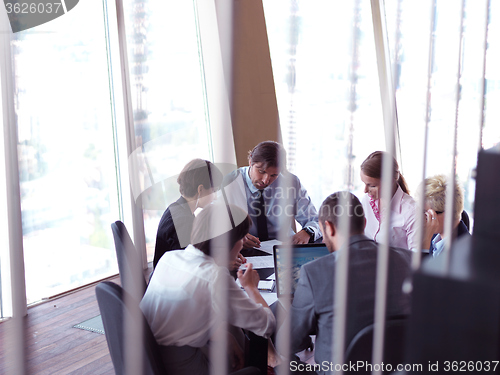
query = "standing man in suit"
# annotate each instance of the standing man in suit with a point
(271, 195)
(312, 307)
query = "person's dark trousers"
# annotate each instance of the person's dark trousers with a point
(280, 314)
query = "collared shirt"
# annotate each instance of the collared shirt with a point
(282, 202)
(184, 296)
(403, 228)
(437, 245)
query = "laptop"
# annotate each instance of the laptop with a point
(300, 255)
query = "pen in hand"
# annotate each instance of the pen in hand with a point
(250, 241)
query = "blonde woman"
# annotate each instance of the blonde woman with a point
(435, 201)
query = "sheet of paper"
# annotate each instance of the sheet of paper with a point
(260, 262)
(267, 246)
(269, 297)
(266, 285)
(271, 277)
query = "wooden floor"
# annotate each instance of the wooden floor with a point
(54, 347)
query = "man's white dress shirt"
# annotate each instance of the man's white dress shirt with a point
(185, 293)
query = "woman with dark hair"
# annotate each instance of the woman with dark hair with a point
(402, 227)
(198, 182)
(185, 294)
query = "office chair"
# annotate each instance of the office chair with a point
(256, 351)
(110, 298)
(129, 261)
(361, 346)
(114, 312)
(466, 220)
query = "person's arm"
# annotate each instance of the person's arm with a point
(301, 237)
(166, 237)
(245, 310)
(235, 264)
(306, 215)
(249, 280)
(410, 219)
(250, 241)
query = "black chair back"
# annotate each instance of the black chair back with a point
(256, 349)
(361, 346)
(466, 220)
(115, 312)
(129, 261)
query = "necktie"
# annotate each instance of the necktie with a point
(261, 218)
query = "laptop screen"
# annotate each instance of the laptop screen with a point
(300, 255)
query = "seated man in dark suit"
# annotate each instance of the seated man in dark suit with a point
(312, 307)
(198, 182)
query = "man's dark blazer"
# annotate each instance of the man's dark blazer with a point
(312, 307)
(174, 229)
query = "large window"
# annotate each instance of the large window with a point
(66, 154)
(71, 133)
(325, 73)
(412, 26)
(168, 100)
(327, 85)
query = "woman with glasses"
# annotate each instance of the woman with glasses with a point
(435, 200)
(402, 231)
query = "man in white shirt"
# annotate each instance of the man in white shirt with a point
(185, 296)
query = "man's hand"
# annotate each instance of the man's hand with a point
(250, 241)
(301, 237)
(235, 264)
(249, 278)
